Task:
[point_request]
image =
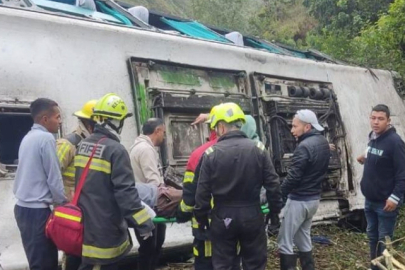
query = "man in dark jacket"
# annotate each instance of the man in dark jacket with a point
(303, 188)
(233, 172)
(383, 181)
(109, 200)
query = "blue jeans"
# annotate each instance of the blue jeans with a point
(379, 224)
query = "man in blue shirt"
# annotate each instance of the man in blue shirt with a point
(38, 184)
(383, 181)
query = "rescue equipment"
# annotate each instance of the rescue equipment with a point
(64, 226)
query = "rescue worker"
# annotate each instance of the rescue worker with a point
(66, 146)
(66, 151)
(147, 169)
(232, 172)
(303, 187)
(202, 250)
(109, 199)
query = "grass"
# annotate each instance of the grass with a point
(348, 251)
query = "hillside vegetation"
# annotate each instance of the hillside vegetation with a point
(370, 33)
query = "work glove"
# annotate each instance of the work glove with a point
(183, 217)
(274, 225)
(203, 223)
(146, 235)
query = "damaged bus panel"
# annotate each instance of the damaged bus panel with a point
(278, 99)
(178, 94)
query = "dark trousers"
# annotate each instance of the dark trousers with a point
(379, 224)
(98, 267)
(41, 253)
(246, 227)
(149, 249)
(202, 250)
(73, 262)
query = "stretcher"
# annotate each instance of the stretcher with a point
(158, 220)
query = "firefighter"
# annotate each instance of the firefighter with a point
(66, 150)
(109, 199)
(233, 172)
(66, 146)
(202, 246)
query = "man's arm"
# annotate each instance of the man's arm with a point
(51, 167)
(271, 183)
(65, 152)
(296, 170)
(127, 195)
(399, 178)
(150, 167)
(190, 182)
(203, 193)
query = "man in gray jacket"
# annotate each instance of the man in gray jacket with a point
(38, 184)
(147, 169)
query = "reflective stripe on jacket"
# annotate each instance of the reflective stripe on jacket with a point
(66, 150)
(109, 199)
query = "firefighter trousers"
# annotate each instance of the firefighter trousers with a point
(243, 224)
(113, 266)
(202, 250)
(149, 249)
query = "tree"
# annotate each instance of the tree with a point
(382, 45)
(286, 21)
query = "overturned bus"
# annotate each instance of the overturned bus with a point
(161, 68)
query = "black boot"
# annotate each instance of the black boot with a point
(307, 262)
(288, 261)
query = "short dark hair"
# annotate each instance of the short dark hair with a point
(40, 106)
(382, 108)
(151, 124)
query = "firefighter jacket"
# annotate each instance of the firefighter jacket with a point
(109, 199)
(190, 186)
(233, 172)
(66, 151)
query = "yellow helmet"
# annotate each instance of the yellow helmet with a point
(87, 110)
(212, 113)
(111, 106)
(228, 112)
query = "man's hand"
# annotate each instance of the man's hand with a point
(273, 225)
(200, 119)
(361, 159)
(332, 147)
(182, 217)
(390, 206)
(146, 235)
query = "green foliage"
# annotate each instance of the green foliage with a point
(284, 21)
(226, 14)
(382, 45)
(350, 16)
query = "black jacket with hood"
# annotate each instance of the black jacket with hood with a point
(384, 168)
(308, 168)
